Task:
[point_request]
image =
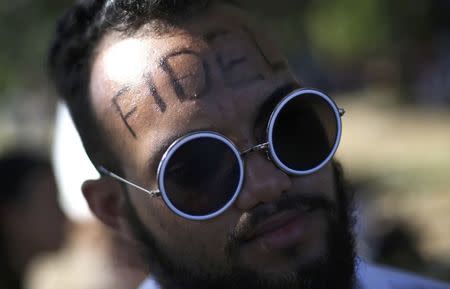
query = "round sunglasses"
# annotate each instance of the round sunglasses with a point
(201, 174)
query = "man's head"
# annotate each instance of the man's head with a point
(31, 220)
(137, 75)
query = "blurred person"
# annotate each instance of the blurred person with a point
(212, 155)
(93, 257)
(31, 221)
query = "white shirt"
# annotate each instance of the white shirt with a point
(377, 277)
(369, 277)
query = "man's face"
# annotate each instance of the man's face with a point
(215, 73)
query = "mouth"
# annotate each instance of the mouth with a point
(282, 230)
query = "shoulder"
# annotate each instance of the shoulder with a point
(378, 277)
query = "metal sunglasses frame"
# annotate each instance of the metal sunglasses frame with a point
(266, 147)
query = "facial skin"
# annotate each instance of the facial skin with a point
(215, 73)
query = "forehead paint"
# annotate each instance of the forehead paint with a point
(275, 66)
(188, 81)
(189, 72)
(236, 70)
(124, 115)
(155, 93)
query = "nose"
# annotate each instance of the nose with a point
(263, 183)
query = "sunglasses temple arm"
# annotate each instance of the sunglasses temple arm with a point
(104, 171)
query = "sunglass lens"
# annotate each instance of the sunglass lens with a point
(202, 176)
(305, 132)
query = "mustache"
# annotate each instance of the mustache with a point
(251, 219)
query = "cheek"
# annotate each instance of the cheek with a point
(321, 182)
(326, 179)
(183, 240)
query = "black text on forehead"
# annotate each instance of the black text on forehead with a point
(192, 80)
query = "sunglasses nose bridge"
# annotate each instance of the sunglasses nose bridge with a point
(259, 147)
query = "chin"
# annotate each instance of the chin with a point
(290, 259)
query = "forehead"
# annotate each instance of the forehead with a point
(208, 73)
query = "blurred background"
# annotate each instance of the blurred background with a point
(386, 62)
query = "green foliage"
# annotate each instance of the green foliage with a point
(348, 29)
(337, 32)
(25, 30)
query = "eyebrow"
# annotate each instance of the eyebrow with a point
(266, 108)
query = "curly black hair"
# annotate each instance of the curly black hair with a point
(78, 33)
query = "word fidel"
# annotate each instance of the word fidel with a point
(188, 85)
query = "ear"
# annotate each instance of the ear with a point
(106, 200)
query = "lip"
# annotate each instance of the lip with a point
(280, 231)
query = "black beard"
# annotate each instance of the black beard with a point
(335, 270)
